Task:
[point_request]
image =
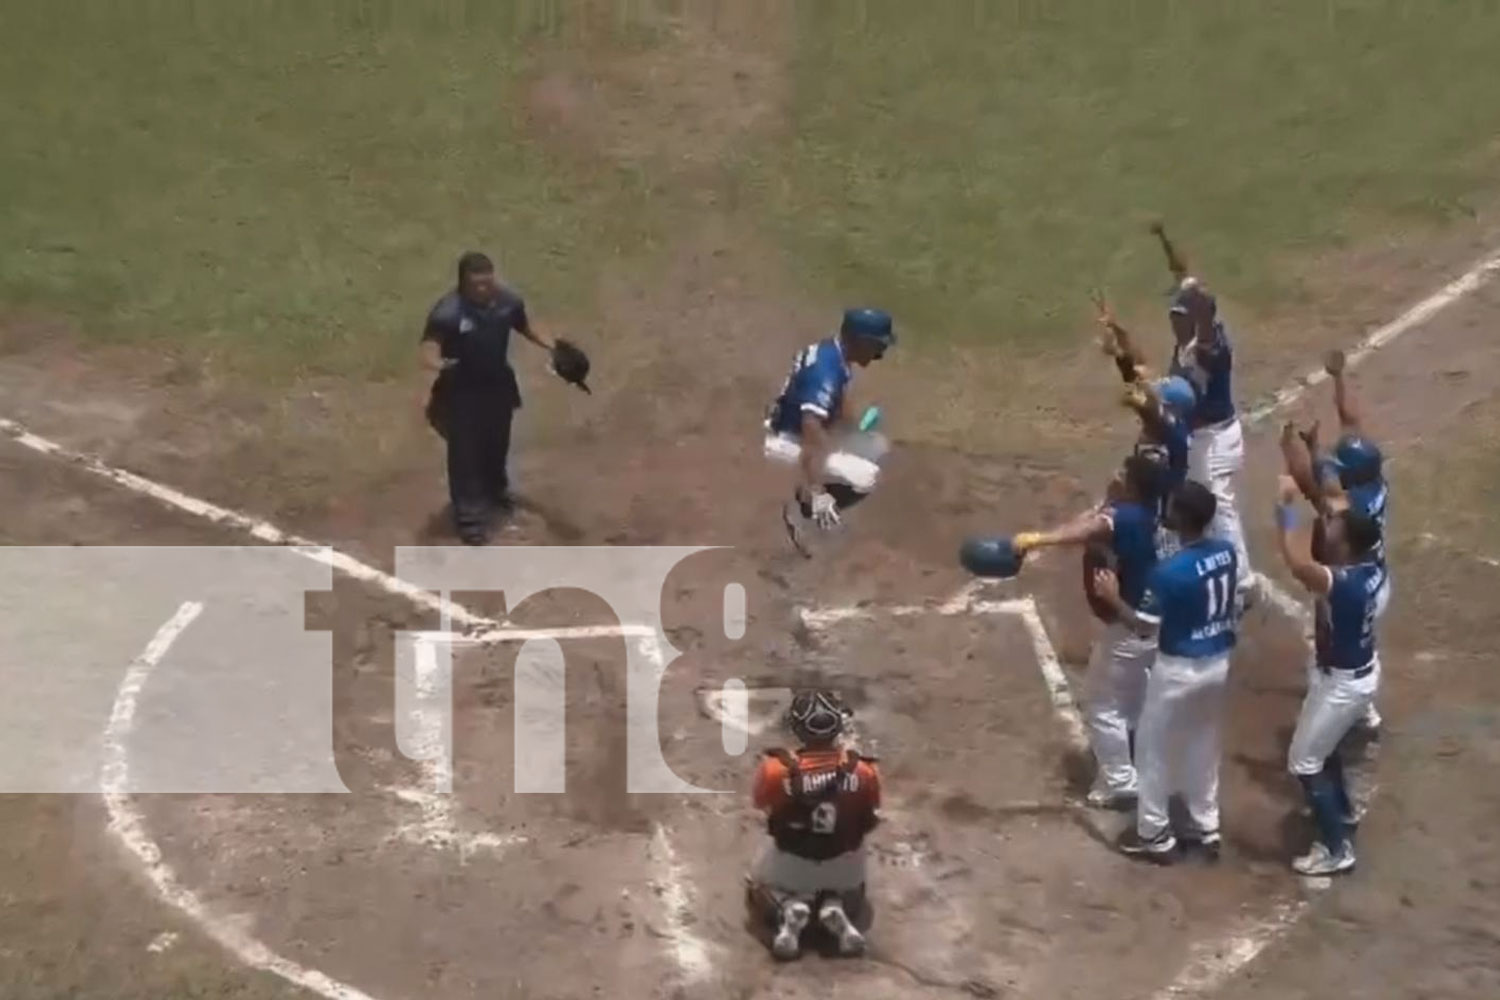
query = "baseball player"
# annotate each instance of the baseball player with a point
(820, 801)
(812, 426)
(1346, 580)
(1165, 408)
(1189, 607)
(1204, 356)
(1351, 479)
(1121, 538)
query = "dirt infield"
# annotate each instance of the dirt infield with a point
(990, 882)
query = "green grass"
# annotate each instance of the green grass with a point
(286, 185)
(980, 165)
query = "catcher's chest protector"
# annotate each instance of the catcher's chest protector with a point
(826, 814)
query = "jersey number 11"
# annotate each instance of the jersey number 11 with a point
(1220, 594)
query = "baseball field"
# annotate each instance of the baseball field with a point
(223, 223)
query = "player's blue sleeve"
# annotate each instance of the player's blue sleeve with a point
(817, 390)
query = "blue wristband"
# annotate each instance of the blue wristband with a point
(1286, 516)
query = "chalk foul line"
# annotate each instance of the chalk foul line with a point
(128, 825)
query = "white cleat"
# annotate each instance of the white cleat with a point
(1371, 720)
(787, 944)
(1321, 861)
(836, 922)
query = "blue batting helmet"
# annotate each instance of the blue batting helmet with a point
(994, 558)
(1177, 395)
(872, 324)
(1358, 458)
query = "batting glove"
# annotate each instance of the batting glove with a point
(825, 511)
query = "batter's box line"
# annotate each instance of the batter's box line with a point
(966, 602)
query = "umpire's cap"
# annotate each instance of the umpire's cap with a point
(993, 558)
(872, 324)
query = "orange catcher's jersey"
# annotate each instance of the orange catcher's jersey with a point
(818, 803)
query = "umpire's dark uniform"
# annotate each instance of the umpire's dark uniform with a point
(473, 402)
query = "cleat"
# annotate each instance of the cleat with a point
(1370, 722)
(796, 526)
(787, 944)
(836, 922)
(1116, 800)
(1159, 850)
(1320, 861)
(1208, 845)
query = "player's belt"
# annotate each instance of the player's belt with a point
(1355, 673)
(1220, 424)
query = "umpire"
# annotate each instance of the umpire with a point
(475, 395)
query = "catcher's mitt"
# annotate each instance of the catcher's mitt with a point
(571, 364)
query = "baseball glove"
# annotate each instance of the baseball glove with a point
(571, 364)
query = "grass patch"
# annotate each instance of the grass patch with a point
(978, 166)
(285, 185)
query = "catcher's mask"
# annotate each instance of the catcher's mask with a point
(817, 716)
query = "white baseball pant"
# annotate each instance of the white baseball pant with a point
(1215, 456)
(851, 462)
(1335, 701)
(1116, 691)
(1177, 744)
(800, 877)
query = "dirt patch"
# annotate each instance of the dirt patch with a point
(710, 79)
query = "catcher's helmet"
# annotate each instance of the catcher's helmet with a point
(872, 324)
(1177, 395)
(991, 557)
(816, 716)
(1358, 460)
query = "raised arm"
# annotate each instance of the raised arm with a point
(1176, 263)
(1343, 399)
(1297, 450)
(1295, 545)
(1117, 342)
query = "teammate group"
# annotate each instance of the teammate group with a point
(1166, 569)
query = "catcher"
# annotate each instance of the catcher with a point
(474, 397)
(820, 802)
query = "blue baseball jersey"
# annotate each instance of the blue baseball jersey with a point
(1169, 445)
(816, 385)
(1344, 626)
(1370, 500)
(1191, 597)
(1210, 367)
(1133, 545)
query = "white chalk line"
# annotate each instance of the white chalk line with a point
(437, 810)
(1428, 538)
(258, 529)
(673, 885)
(1465, 284)
(432, 749)
(1418, 314)
(128, 825)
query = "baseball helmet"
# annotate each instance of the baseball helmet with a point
(1177, 395)
(816, 716)
(1358, 459)
(871, 324)
(994, 558)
